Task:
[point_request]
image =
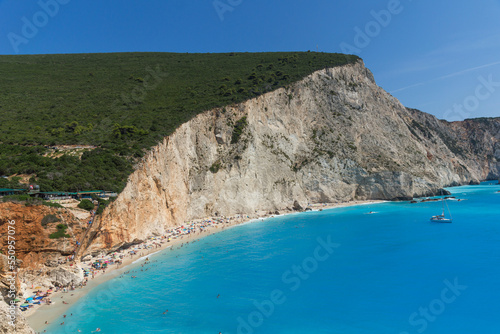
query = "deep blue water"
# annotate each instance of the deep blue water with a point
(389, 272)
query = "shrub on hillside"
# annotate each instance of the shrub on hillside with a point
(61, 232)
(238, 129)
(49, 219)
(86, 205)
(51, 204)
(16, 198)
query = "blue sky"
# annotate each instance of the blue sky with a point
(442, 57)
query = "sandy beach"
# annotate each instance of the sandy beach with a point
(38, 316)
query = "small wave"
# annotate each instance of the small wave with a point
(146, 256)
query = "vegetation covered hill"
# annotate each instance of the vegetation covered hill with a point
(122, 103)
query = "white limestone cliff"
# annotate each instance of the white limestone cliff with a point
(333, 136)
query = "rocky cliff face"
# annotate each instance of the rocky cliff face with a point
(34, 247)
(37, 255)
(13, 320)
(334, 136)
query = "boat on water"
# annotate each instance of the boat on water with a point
(442, 218)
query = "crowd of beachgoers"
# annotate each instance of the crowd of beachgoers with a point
(95, 266)
(98, 268)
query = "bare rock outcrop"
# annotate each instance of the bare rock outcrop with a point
(334, 136)
(297, 207)
(33, 244)
(13, 322)
(62, 275)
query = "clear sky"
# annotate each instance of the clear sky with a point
(442, 57)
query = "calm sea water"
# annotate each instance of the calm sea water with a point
(335, 271)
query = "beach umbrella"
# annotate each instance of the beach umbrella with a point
(38, 287)
(17, 300)
(29, 298)
(24, 305)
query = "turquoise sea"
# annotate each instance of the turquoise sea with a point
(335, 271)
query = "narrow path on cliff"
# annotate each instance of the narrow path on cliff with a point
(87, 230)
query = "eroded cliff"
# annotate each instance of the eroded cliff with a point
(334, 136)
(39, 257)
(32, 226)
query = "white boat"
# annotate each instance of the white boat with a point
(442, 218)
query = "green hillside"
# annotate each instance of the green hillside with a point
(123, 103)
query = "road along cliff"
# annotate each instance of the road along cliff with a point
(333, 136)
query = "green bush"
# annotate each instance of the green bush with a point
(13, 183)
(102, 203)
(29, 201)
(238, 129)
(215, 167)
(51, 204)
(86, 205)
(102, 168)
(49, 219)
(61, 232)
(100, 209)
(16, 198)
